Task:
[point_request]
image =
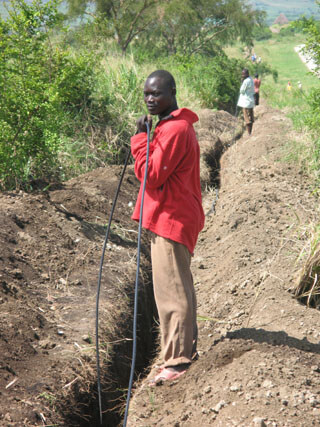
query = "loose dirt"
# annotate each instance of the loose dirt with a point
(259, 347)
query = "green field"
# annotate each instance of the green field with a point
(281, 55)
(291, 8)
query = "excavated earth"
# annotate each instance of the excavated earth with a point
(259, 347)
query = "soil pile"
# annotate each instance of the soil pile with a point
(51, 248)
(259, 348)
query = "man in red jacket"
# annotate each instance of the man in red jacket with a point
(173, 213)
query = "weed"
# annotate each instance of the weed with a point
(48, 397)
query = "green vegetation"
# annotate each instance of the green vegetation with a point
(58, 113)
(171, 27)
(70, 98)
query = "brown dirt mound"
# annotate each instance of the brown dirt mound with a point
(52, 244)
(216, 131)
(259, 348)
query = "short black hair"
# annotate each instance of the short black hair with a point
(165, 76)
(256, 75)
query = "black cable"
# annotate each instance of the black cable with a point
(135, 311)
(134, 351)
(99, 281)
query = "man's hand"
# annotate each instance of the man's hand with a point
(141, 123)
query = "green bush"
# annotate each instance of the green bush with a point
(42, 88)
(216, 80)
(262, 33)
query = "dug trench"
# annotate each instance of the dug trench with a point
(259, 349)
(52, 243)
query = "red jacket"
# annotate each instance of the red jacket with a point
(172, 202)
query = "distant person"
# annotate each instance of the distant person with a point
(257, 83)
(246, 99)
(300, 86)
(289, 86)
(259, 60)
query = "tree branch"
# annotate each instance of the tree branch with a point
(132, 33)
(209, 39)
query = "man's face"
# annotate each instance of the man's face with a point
(158, 96)
(244, 75)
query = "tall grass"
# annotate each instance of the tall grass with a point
(279, 53)
(117, 99)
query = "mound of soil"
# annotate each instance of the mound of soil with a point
(259, 348)
(51, 248)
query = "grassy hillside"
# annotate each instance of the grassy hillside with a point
(291, 8)
(280, 54)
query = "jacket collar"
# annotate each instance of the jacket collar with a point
(181, 113)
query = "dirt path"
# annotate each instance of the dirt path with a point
(306, 59)
(259, 348)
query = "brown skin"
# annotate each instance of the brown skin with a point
(244, 74)
(160, 99)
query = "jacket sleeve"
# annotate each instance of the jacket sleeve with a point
(243, 87)
(166, 151)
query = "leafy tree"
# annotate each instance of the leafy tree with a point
(195, 26)
(262, 33)
(185, 26)
(42, 89)
(124, 19)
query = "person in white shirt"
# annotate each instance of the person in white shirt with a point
(246, 99)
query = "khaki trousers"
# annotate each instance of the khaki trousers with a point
(248, 115)
(175, 299)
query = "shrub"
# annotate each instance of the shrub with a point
(216, 80)
(42, 89)
(262, 33)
